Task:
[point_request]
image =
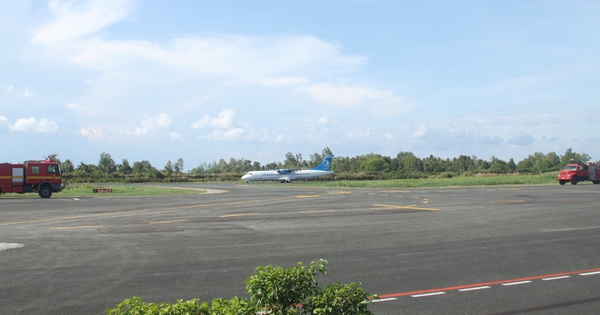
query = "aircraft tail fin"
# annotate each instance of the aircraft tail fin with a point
(325, 165)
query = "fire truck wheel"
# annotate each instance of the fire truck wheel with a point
(574, 180)
(561, 182)
(45, 192)
(596, 182)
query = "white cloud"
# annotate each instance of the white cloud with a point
(390, 136)
(8, 89)
(282, 81)
(11, 90)
(421, 131)
(243, 134)
(356, 133)
(337, 95)
(74, 107)
(96, 133)
(33, 125)
(225, 119)
(152, 125)
(74, 21)
(175, 136)
(26, 93)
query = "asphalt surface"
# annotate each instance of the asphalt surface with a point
(505, 250)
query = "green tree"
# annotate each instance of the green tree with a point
(375, 164)
(86, 168)
(106, 165)
(572, 157)
(511, 166)
(67, 167)
(178, 166)
(125, 168)
(143, 167)
(168, 168)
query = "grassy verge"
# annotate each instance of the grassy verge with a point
(468, 181)
(85, 190)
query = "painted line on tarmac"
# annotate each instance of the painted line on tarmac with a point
(486, 285)
(517, 283)
(556, 278)
(315, 211)
(108, 214)
(83, 227)
(475, 288)
(5, 246)
(383, 300)
(410, 207)
(427, 294)
(238, 215)
(171, 221)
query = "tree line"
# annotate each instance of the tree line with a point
(367, 166)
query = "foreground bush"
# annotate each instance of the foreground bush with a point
(273, 290)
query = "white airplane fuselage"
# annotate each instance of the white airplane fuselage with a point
(292, 175)
(288, 175)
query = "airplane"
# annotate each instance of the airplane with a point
(287, 175)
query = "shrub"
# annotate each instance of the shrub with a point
(273, 290)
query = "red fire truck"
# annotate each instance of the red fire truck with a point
(576, 172)
(43, 177)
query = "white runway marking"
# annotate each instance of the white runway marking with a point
(517, 283)
(475, 288)
(5, 246)
(427, 294)
(556, 278)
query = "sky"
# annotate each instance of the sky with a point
(210, 80)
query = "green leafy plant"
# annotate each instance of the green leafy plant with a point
(282, 291)
(273, 290)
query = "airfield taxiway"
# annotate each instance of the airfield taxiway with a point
(499, 250)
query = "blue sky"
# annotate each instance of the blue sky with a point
(158, 80)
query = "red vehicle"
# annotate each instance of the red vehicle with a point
(576, 172)
(43, 177)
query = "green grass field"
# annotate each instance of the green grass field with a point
(85, 190)
(468, 181)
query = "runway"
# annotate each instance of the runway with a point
(501, 250)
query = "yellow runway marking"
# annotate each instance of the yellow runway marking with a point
(165, 222)
(78, 227)
(237, 215)
(425, 200)
(411, 207)
(87, 216)
(316, 211)
(340, 193)
(307, 196)
(506, 201)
